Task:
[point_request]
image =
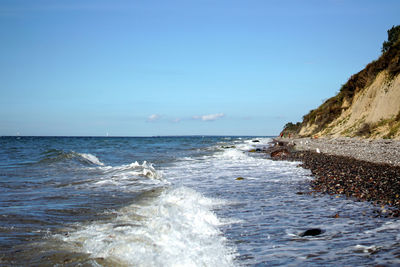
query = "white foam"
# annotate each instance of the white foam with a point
(128, 177)
(177, 228)
(231, 163)
(91, 158)
(392, 225)
(366, 249)
(246, 145)
(136, 169)
(233, 154)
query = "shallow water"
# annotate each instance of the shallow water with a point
(175, 201)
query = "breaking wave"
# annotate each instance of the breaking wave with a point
(176, 228)
(55, 156)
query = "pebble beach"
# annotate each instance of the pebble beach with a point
(367, 170)
(376, 151)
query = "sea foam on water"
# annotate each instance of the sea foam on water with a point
(177, 228)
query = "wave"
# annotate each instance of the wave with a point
(176, 228)
(134, 169)
(91, 158)
(134, 177)
(55, 156)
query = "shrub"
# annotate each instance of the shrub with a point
(364, 130)
(291, 128)
(397, 117)
(393, 37)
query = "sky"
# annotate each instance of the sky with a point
(179, 67)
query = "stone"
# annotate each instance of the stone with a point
(280, 153)
(312, 232)
(228, 146)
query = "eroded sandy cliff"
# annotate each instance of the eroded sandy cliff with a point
(367, 105)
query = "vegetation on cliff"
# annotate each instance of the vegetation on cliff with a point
(332, 108)
(393, 37)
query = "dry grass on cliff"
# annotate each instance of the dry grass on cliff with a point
(332, 108)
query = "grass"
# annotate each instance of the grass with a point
(371, 130)
(393, 131)
(397, 118)
(365, 130)
(332, 108)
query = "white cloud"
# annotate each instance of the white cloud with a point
(209, 117)
(153, 117)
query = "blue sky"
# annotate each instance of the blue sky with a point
(143, 68)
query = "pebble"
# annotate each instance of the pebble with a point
(377, 151)
(365, 175)
(312, 232)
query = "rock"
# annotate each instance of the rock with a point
(256, 141)
(252, 150)
(239, 178)
(312, 232)
(280, 153)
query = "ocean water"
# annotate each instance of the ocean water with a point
(175, 201)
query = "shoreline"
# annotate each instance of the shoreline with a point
(375, 151)
(369, 175)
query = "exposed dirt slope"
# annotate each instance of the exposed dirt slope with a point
(373, 113)
(368, 105)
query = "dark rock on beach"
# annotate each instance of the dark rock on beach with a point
(281, 153)
(228, 147)
(280, 150)
(312, 232)
(363, 180)
(375, 182)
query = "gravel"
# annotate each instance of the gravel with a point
(377, 151)
(361, 169)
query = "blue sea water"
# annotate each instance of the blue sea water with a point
(175, 201)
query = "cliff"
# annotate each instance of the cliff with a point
(368, 105)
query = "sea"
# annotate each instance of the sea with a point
(176, 201)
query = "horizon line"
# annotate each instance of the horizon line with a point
(140, 136)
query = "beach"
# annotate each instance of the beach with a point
(367, 170)
(377, 151)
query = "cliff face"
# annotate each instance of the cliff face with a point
(368, 105)
(374, 112)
